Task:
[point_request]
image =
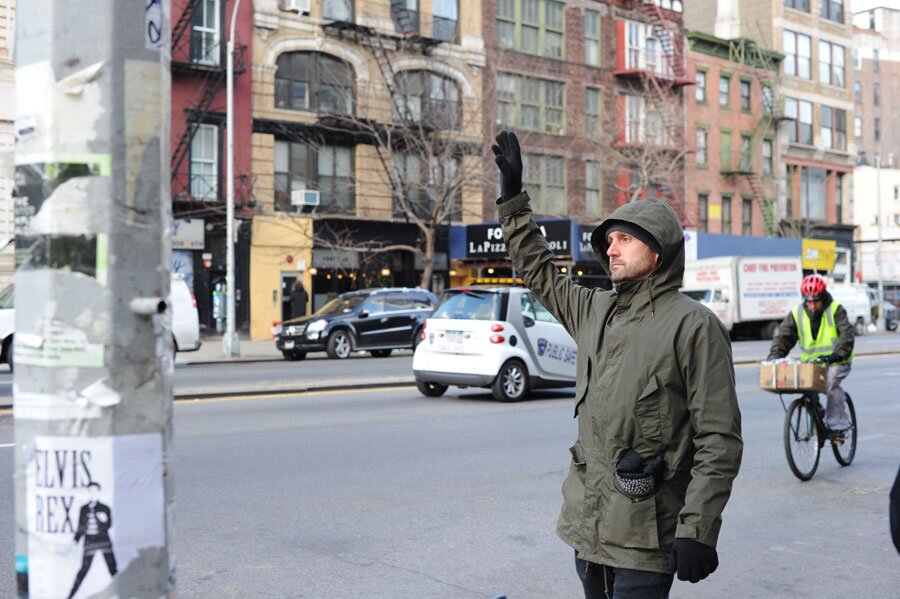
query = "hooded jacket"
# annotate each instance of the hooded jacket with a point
(654, 374)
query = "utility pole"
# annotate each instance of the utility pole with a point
(878, 246)
(93, 347)
(230, 342)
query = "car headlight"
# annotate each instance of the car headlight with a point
(317, 326)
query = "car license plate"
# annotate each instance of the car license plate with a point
(453, 336)
(288, 345)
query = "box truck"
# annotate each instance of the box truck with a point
(749, 294)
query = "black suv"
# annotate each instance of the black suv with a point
(378, 320)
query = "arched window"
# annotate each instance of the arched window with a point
(428, 98)
(314, 81)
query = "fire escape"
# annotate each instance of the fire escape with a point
(748, 53)
(201, 55)
(660, 84)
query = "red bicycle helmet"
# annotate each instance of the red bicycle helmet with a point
(812, 287)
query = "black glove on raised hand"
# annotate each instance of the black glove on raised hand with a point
(693, 560)
(508, 157)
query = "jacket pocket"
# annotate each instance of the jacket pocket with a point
(647, 411)
(573, 486)
(630, 523)
(582, 383)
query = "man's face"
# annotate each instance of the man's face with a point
(630, 259)
(814, 306)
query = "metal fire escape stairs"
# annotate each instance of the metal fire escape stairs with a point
(212, 80)
(748, 53)
(665, 96)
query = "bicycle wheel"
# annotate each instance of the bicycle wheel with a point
(844, 452)
(801, 439)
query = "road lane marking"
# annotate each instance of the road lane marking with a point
(188, 400)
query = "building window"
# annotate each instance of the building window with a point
(700, 90)
(428, 98)
(313, 81)
(205, 163)
(797, 4)
(746, 155)
(724, 83)
(767, 156)
(702, 135)
(831, 63)
(546, 176)
(328, 169)
(592, 38)
(876, 129)
(592, 111)
(644, 50)
(834, 128)
(857, 92)
(592, 195)
(338, 10)
(703, 209)
(445, 17)
(537, 27)
(839, 197)
(800, 112)
(812, 193)
(876, 94)
(423, 182)
(530, 103)
(724, 150)
(726, 214)
(874, 60)
(857, 127)
(205, 37)
(745, 95)
(833, 10)
(634, 110)
(797, 54)
(768, 98)
(857, 60)
(747, 217)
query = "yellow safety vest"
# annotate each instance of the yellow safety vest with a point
(825, 341)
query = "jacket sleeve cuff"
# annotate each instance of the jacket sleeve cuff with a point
(512, 205)
(691, 531)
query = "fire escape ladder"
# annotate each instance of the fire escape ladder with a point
(672, 52)
(184, 21)
(766, 205)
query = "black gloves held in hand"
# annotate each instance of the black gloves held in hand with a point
(693, 560)
(829, 359)
(508, 157)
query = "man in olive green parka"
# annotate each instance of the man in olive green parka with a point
(659, 433)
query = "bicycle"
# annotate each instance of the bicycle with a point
(806, 431)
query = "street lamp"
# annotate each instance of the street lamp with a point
(231, 345)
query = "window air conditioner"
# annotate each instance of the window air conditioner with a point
(305, 197)
(298, 6)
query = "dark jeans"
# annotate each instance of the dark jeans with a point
(604, 582)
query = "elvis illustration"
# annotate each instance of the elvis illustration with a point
(94, 522)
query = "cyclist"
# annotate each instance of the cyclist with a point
(825, 334)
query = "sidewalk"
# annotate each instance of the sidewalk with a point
(211, 351)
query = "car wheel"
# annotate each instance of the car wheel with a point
(339, 345)
(431, 389)
(381, 353)
(511, 383)
(293, 356)
(860, 327)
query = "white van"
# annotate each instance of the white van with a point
(185, 322)
(856, 301)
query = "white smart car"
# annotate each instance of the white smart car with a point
(497, 337)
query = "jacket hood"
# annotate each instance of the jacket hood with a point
(660, 221)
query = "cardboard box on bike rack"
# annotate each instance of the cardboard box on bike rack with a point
(793, 377)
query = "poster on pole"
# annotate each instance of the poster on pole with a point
(95, 513)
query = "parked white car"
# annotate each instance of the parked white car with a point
(185, 321)
(497, 337)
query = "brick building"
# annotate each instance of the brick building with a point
(876, 86)
(330, 85)
(732, 129)
(199, 35)
(815, 140)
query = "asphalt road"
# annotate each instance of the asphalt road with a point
(384, 494)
